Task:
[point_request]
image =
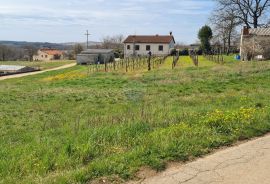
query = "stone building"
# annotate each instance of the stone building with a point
(255, 44)
(139, 45)
(94, 56)
(48, 55)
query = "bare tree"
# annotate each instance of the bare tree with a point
(254, 47)
(4, 51)
(30, 51)
(265, 47)
(77, 49)
(224, 22)
(115, 43)
(11, 53)
(250, 12)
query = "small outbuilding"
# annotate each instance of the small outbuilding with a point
(13, 69)
(95, 56)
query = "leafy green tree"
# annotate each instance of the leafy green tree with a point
(205, 35)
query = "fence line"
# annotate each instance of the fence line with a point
(128, 64)
(175, 60)
(217, 58)
(195, 58)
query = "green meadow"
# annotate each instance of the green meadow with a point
(72, 126)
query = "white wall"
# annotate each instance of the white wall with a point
(154, 49)
(42, 56)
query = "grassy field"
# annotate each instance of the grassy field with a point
(43, 65)
(69, 126)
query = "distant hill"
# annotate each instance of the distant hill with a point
(61, 46)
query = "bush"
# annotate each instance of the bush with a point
(184, 52)
(118, 54)
(199, 52)
(173, 52)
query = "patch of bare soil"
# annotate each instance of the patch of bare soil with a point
(108, 180)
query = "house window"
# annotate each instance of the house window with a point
(137, 47)
(160, 48)
(46, 56)
(148, 47)
(128, 47)
(41, 55)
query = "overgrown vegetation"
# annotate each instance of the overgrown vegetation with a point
(70, 126)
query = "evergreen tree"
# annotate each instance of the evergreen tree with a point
(205, 35)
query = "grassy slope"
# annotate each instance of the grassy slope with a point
(67, 127)
(43, 65)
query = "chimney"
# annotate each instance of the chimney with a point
(245, 31)
(171, 33)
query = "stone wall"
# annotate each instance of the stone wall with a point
(253, 46)
(84, 59)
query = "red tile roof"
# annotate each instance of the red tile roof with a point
(149, 39)
(52, 51)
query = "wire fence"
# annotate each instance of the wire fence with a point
(195, 58)
(217, 58)
(175, 61)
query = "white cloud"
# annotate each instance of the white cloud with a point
(102, 16)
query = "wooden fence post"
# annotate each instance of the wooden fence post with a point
(114, 65)
(149, 63)
(105, 65)
(127, 65)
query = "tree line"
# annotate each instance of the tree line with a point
(109, 42)
(26, 53)
(12, 53)
(228, 17)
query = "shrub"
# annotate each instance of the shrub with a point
(173, 52)
(184, 52)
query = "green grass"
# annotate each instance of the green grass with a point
(43, 65)
(70, 127)
(229, 58)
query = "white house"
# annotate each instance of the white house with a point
(139, 45)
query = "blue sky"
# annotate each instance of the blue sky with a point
(67, 20)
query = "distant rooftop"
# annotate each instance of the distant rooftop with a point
(97, 51)
(52, 51)
(257, 31)
(260, 31)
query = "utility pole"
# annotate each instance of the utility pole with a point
(87, 36)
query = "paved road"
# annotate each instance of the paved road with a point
(35, 73)
(248, 163)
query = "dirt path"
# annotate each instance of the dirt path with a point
(248, 163)
(35, 73)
